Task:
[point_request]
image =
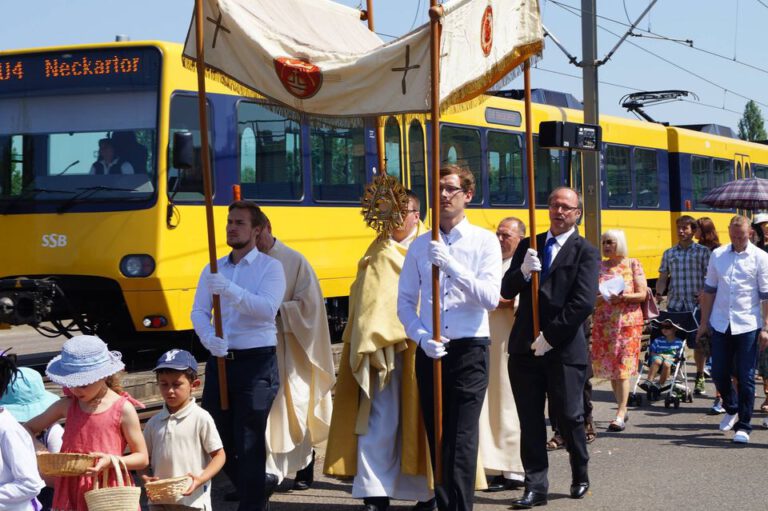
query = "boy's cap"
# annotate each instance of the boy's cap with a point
(179, 360)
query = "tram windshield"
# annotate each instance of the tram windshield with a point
(91, 139)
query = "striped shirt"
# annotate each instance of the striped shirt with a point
(662, 346)
(687, 268)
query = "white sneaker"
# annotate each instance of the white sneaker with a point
(741, 437)
(728, 421)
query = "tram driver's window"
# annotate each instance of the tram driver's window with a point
(187, 185)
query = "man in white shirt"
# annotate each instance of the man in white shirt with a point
(251, 286)
(469, 259)
(108, 163)
(734, 299)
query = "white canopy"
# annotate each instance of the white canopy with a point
(316, 56)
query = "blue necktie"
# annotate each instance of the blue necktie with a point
(545, 264)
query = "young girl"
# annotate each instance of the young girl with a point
(19, 480)
(100, 418)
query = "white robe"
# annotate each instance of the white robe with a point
(301, 413)
(499, 424)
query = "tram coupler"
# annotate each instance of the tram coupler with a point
(25, 301)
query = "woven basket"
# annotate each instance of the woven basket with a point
(123, 497)
(64, 464)
(167, 491)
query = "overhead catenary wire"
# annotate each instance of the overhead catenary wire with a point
(570, 9)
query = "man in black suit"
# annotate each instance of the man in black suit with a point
(552, 363)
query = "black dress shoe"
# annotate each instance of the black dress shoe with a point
(270, 485)
(306, 476)
(501, 483)
(425, 505)
(529, 500)
(578, 490)
(376, 503)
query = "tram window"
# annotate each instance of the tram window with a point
(416, 164)
(270, 153)
(338, 162)
(505, 168)
(461, 146)
(546, 170)
(700, 180)
(576, 171)
(392, 148)
(619, 178)
(646, 178)
(722, 172)
(188, 185)
(760, 171)
(11, 164)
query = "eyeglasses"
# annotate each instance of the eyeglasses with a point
(608, 242)
(452, 190)
(562, 207)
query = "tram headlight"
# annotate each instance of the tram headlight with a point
(137, 265)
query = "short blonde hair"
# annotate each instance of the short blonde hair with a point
(617, 235)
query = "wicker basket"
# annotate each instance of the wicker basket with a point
(64, 464)
(167, 491)
(123, 497)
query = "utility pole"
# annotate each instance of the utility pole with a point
(590, 159)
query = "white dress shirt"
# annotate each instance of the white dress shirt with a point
(560, 240)
(740, 282)
(466, 296)
(248, 320)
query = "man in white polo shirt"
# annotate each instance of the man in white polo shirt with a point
(734, 299)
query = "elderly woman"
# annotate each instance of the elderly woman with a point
(618, 322)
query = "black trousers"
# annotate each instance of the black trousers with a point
(588, 406)
(252, 381)
(465, 380)
(534, 379)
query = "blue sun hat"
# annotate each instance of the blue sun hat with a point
(84, 359)
(26, 397)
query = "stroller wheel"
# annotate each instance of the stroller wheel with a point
(677, 402)
(688, 397)
(667, 402)
(632, 399)
(639, 400)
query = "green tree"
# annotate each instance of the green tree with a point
(751, 126)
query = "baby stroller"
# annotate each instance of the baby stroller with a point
(675, 389)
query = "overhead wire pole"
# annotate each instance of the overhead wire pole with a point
(204, 155)
(435, 12)
(380, 149)
(591, 160)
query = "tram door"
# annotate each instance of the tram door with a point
(743, 170)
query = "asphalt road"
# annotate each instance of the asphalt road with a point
(666, 458)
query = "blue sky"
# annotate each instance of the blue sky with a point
(732, 29)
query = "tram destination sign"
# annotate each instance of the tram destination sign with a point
(33, 73)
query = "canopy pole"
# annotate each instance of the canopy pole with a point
(435, 12)
(531, 192)
(380, 149)
(204, 155)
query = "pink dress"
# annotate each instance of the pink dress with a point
(616, 329)
(88, 432)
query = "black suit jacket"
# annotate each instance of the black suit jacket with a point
(566, 299)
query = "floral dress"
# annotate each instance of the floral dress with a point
(616, 328)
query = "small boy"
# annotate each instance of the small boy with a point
(662, 353)
(182, 438)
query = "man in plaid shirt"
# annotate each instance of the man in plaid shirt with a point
(684, 267)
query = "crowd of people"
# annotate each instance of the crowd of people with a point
(506, 357)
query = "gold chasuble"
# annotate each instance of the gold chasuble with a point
(372, 338)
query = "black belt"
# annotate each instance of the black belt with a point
(249, 353)
(468, 342)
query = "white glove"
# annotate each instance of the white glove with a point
(530, 264)
(540, 346)
(216, 345)
(221, 285)
(439, 256)
(432, 348)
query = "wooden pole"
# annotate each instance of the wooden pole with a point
(380, 149)
(204, 155)
(531, 192)
(435, 12)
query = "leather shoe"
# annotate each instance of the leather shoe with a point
(376, 503)
(425, 505)
(270, 485)
(529, 500)
(306, 476)
(501, 483)
(578, 490)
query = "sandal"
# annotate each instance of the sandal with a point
(589, 430)
(618, 424)
(764, 406)
(555, 443)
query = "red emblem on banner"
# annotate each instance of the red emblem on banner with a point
(299, 77)
(486, 31)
